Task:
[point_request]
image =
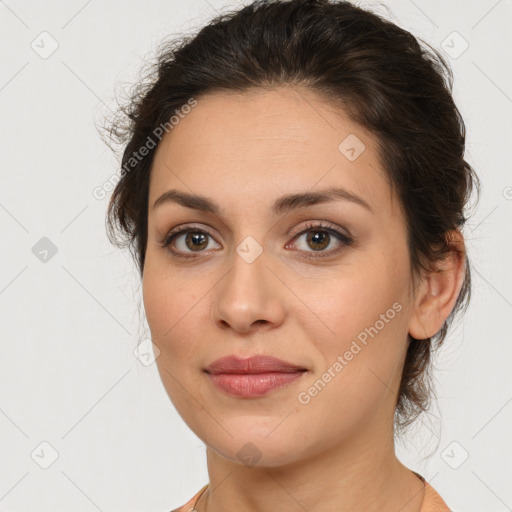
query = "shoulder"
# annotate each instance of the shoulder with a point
(189, 506)
(433, 501)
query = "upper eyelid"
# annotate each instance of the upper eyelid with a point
(309, 224)
(321, 224)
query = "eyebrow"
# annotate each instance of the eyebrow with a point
(282, 204)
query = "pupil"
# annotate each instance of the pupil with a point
(317, 238)
(193, 239)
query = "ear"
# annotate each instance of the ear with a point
(438, 291)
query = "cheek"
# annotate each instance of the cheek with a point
(354, 298)
(170, 303)
(360, 362)
(367, 316)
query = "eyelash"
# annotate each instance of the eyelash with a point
(327, 227)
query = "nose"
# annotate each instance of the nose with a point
(249, 297)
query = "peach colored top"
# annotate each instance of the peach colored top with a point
(432, 502)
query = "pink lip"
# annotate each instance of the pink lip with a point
(252, 377)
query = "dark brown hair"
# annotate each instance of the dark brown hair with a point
(395, 87)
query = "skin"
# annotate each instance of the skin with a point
(335, 453)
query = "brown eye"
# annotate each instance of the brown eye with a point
(318, 240)
(185, 242)
(196, 240)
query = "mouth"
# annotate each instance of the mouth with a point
(253, 385)
(253, 377)
(252, 365)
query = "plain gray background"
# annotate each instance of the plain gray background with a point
(70, 319)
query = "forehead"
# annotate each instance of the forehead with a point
(263, 143)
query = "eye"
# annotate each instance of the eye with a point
(319, 237)
(185, 242)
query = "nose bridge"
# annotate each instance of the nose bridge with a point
(247, 294)
(247, 279)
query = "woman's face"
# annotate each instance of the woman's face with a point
(258, 277)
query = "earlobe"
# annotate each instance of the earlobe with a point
(438, 291)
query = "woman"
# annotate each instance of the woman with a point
(293, 189)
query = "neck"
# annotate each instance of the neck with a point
(361, 473)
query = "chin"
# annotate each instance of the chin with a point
(254, 445)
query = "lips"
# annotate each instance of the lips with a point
(254, 377)
(252, 365)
